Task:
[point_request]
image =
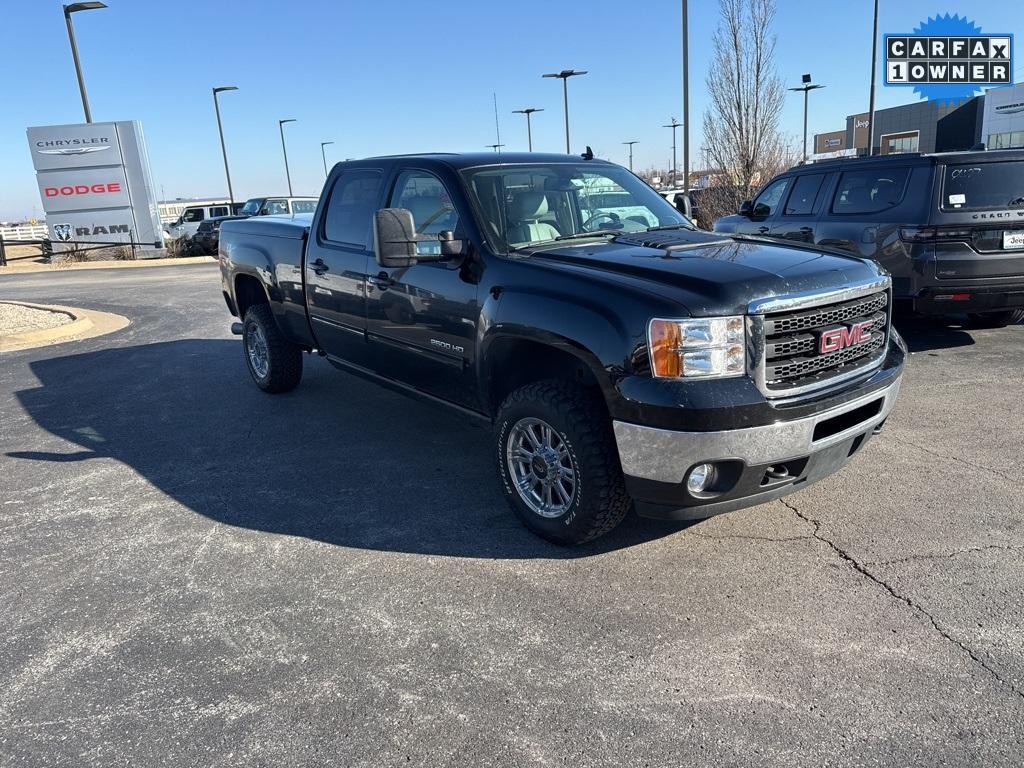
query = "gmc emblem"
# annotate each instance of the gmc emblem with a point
(841, 337)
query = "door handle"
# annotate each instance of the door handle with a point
(319, 266)
(381, 281)
(763, 230)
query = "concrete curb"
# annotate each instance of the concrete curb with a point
(21, 269)
(85, 324)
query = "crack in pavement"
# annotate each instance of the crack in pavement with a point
(726, 536)
(996, 472)
(861, 569)
(954, 553)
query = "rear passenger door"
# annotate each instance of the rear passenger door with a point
(797, 217)
(765, 209)
(339, 250)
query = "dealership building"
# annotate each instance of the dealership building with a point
(996, 118)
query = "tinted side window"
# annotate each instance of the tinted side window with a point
(220, 210)
(353, 201)
(275, 207)
(870, 191)
(193, 214)
(303, 206)
(805, 191)
(768, 201)
(430, 203)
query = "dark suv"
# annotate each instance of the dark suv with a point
(948, 227)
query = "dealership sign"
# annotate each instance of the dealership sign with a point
(947, 58)
(95, 184)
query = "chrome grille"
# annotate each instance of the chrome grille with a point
(791, 359)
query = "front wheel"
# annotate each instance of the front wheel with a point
(274, 362)
(558, 462)
(995, 319)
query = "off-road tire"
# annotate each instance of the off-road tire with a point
(995, 319)
(284, 358)
(581, 421)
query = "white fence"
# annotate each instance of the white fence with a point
(25, 232)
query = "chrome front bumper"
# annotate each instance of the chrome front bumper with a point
(663, 455)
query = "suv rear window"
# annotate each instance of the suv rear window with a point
(870, 191)
(983, 185)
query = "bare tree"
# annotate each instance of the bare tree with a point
(741, 127)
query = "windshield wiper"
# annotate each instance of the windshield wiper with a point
(680, 225)
(595, 233)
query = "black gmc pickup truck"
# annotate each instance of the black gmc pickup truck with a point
(625, 359)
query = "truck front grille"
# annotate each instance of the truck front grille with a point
(796, 358)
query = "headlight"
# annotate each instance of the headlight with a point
(705, 348)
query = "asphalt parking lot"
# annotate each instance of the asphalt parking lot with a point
(195, 573)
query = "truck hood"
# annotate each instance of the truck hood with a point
(709, 273)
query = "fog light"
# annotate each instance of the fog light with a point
(700, 478)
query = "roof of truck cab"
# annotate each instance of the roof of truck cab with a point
(475, 159)
(912, 158)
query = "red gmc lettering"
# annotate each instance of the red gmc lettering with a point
(841, 338)
(82, 189)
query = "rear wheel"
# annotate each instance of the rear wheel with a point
(995, 319)
(558, 463)
(274, 362)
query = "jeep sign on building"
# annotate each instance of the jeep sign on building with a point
(95, 183)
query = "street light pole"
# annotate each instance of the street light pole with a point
(529, 132)
(284, 150)
(323, 153)
(673, 125)
(68, 10)
(871, 104)
(564, 76)
(807, 87)
(686, 100)
(220, 129)
(631, 143)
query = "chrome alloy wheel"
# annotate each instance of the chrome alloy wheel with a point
(256, 348)
(541, 467)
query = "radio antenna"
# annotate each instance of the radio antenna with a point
(497, 126)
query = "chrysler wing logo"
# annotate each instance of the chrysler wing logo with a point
(841, 337)
(62, 232)
(72, 150)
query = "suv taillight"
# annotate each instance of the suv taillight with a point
(934, 234)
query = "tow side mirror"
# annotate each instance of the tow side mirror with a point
(746, 208)
(395, 240)
(450, 247)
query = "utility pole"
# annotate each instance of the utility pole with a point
(630, 144)
(220, 129)
(871, 102)
(529, 131)
(564, 76)
(686, 99)
(284, 150)
(807, 87)
(68, 10)
(673, 125)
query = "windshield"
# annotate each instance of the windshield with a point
(526, 205)
(252, 207)
(984, 185)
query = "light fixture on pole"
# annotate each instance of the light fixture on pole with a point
(495, 147)
(673, 125)
(323, 153)
(223, 149)
(284, 150)
(68, 10)
(631, 143)
(807, 87)
(564, 76)
(529, 131)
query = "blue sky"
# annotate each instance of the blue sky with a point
(395, 77)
